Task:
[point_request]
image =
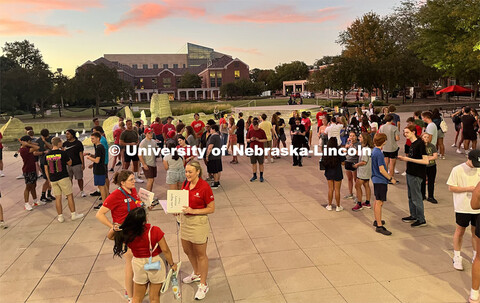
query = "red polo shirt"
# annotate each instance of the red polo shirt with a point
(117, 203)
(140, 246)
(197, 127)
(319, 117)
(167, 128)
(200, 196)
(157, 128)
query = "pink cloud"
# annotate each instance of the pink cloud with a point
(280, 14)
(10, 27)
(252, 51)
(55, 4)
(145, 13)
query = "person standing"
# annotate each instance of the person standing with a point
(267, 127)
(350, 161)
(474, 291)
(214, 162)
(223, 130)
(1, 157)
(468, 130)
(174, 164)
(334, 129)
(333, 173)
(56, 162)
(461, 182)
(240, 131)
(232, 139)
(29, 171)
(364, 173)
(130, 137)
(45, 144)
(116, 137)
(99, 170)
(431, 169)
(308, 126)
(417, 160)
(147, 158)
(281, 131)
(256, 137)
(457, 121)
(390, 150)
(380, 179)
(74, 149)
(298, 141)
(104, 142)
(167, 127)
(437, 119)
(198, 125)
(396, 118)
(431, 127)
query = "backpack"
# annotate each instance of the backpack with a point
(443, 126)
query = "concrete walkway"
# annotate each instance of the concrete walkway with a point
(270, 242)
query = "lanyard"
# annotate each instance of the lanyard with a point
(128, 196)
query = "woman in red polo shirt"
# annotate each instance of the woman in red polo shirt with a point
(120, 202)
(194, 226)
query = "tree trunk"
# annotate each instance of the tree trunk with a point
(404, 99)
(97, 106)
(386, 97)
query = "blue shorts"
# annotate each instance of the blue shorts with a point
(99, 180)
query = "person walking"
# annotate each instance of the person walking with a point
(55, 167)
(256, 137)
(147, 157)
(74, 149)
(116, 139)
(364, 173)
(457, 121)
(333, 173)
(469, 123)
(431, 169)
(195, 227)
(417, 160)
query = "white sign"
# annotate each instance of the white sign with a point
(176, 201)
(146, 196)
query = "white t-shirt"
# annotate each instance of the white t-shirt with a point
(432, 130)
(334, 131)
(464, 176)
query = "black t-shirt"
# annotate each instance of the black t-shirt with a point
(468, 123)
(417, 150)
(291, 122)
(73, 150)
(240, 127)
(217, 143)
(43, 147)
(281, 130)
(56, 160)
(298, 140)
(99, 168)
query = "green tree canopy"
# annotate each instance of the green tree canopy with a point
(190, 80)
(25, 54)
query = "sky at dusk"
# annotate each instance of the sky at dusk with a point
(261, 33)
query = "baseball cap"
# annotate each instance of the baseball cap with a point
(26, 138)
(474, 155)
(171, 134)
(147, 130)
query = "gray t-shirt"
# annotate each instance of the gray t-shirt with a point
(432, 130)
(149, 145)
(174, 165)
(391, 131)
(217, 143)
(365, 171)
(353, 159)
(192, 141)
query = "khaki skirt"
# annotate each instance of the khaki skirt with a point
(194, 228)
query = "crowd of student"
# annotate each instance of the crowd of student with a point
(58, 162)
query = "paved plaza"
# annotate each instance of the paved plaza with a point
(270, 242)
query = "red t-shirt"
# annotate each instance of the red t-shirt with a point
(117, 203)
(28, 160)
(319, 117)
(157, 128)
(116, 135)
(250, 127)
(221, 121)
(307, 123)
(259, 134)
(1, 145)
(167, 128)
(418, 131)
(140, 246)
(200, 196)
(197, 127)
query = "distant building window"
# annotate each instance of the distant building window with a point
(212, 74)
(219, 82)
(141, 80)
(155, 66)
(175, 66)
(134, 66)
(184, 66)
(237, 74)
(212, 82)
(165, 66)
(145, 66)
(167, 82)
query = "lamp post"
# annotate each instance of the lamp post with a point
(59, 70)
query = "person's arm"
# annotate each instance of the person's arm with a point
(423, 161)
(168, 254)
(142, 160)
(386, 175)
(362, 163)
(209, 150)
(93, 159)
(122, 143)
(165, 165)
(83, 160)
(210, 209)
(47, 173)
(475, 201)
(47, 145)
(69, 162)
(101, 216)
(434, 156)
(460, 189)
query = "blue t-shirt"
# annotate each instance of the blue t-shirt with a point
(377, 161)
(105, 144)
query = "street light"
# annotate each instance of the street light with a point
(59, 70)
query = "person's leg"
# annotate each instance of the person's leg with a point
(358, 189)
(476, 274)
(411, 205)
(261, 166)
(107, 184)
(338, 184)
(129, 273)
(441, 145)
(387, 164)
(71, 203)
(423, 186)
(349, 174)
(216, 177)
(458, 237)
(475, 241)
(126, 164)
(26, 192)
(393, 162)
(456, 137)
(431, 175)
(179, 185)
(200, 251)
(80, 184)
(1, 213)
(34, 190)
(149, 184)
(368, 191)
(466, 145)
(58, 204)
(154, 292)
(417, 198)
(135, 166)
(139, 291)
(377, 209)
(188, 250)
(103, 192)
(330, 191)
(474, 144)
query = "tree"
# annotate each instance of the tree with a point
(325, 60)
(24, 54)
(100, 82)
(190, 80)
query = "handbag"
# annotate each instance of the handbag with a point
(151, 265)
(321, 164)
(172, 278)
(443, 126)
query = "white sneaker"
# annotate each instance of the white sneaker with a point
(191, 278)
(201, 292)
(2, 174)
(328, 207)
(454, 145)
(3, 225)
(443, 157)
(404, 173)
(28, 206)
(138, 180)
(76, 216)
(39, 203)
(271, 161)
(457, 263)
(396, 171)
(459, 151)
(20, 177)
(83, 194)
(60, 218)
(350, 196)
(339, 208)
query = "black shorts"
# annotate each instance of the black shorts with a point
(380, 191)
(282, 138)
(407, 149)
(391, 155)
(464, 220)
(349, 166)
(30, 178)
(469, 135)
(131, 158)
(257, 159)
(241, 139)
(214, 166)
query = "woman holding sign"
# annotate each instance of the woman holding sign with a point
(194, 226)
(120, 202)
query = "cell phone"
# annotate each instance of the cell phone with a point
(15, 155)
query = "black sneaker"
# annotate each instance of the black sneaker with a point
(432, 200)
(98, 206)
(95, 194)
(52, 198)
(375, 223)
(419, 224)
(214, 185)
(119, 163)
(253, 178)
(261, 179)
(409, 219)
(382, 230)
(111, 169)
(295, 164)
(45, 199)
(300, 164)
